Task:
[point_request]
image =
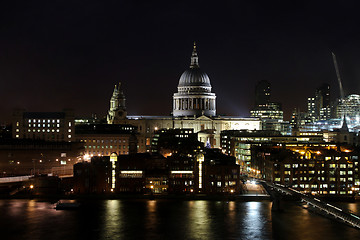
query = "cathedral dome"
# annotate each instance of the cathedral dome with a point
(194, 96)
(194, 77)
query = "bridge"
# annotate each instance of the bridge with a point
(321, 207)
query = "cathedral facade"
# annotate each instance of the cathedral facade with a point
(194, 106)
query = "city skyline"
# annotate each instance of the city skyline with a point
(53, 58)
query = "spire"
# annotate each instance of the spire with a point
(194, 58)
(344, 127)
(115, 91)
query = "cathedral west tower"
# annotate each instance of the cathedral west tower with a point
(117, 110)
(194, 96)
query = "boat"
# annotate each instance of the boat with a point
(67, 205)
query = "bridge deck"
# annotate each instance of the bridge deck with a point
(322, 206)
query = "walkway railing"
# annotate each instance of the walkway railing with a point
(321, 205)
(15, 179)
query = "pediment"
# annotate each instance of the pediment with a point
(203, 118)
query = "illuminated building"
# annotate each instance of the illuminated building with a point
(220, 173)
(49, 126)
(239, 143)
(268, 111)
(200, 160)
(349, 107)
(194, 107)
(104, 139)
(319, 169)
(169, 141)
(113, 160)
(311, 109)
(299, 119)
(319, 107)
(117, 106)
(283, 127)
(265, 109)
(142, 173)
(181, 178)
(207, 171)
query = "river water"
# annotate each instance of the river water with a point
(168, 219)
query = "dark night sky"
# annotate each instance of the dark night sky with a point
(69, 54)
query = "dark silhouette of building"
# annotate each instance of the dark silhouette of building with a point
(30, 157)
(262, 92)
(93, 177)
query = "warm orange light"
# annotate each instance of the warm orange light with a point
(31, 186)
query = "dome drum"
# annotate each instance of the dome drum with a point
(193, 89)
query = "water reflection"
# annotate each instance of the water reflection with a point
(256, 220)
(353, 207)
(152, 219)
(165, 219)
(199, 219)
(113, 220)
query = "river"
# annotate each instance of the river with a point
(168, 219)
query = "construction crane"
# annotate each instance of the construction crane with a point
(338, 77)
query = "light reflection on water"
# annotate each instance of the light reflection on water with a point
(166, 219)
(199, 219)
(113, 220)
(255, 221)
